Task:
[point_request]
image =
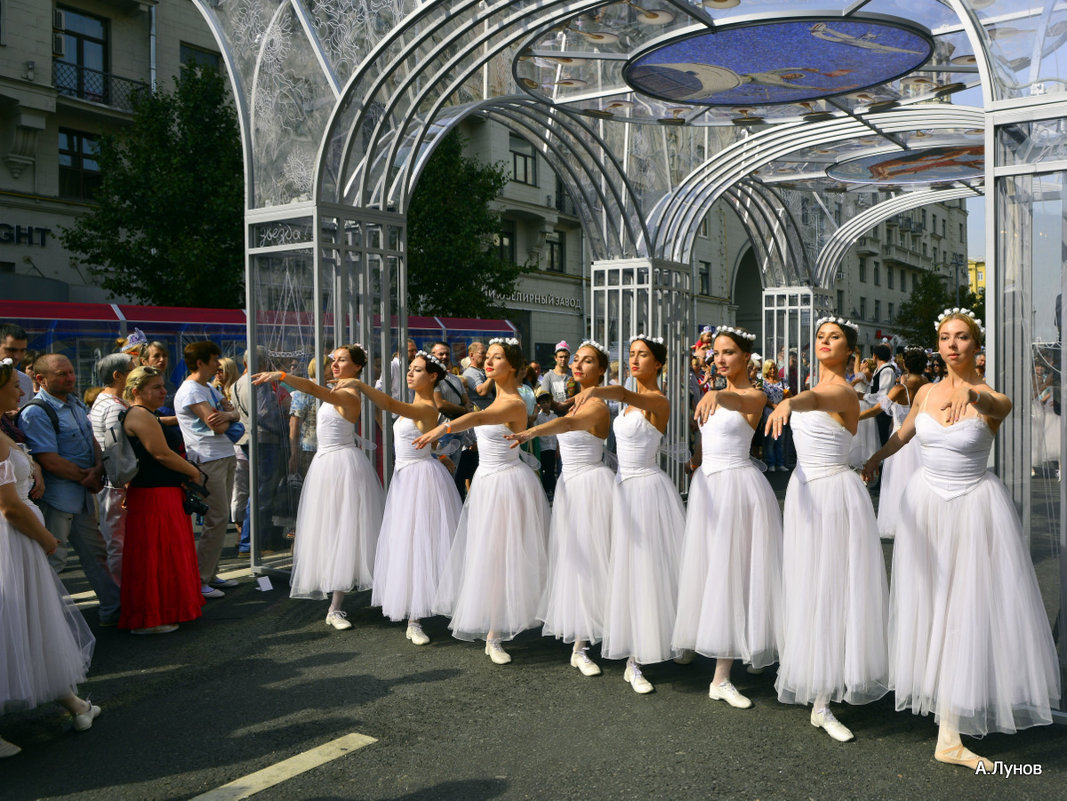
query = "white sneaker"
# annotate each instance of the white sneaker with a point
(416, 634)
(339, 620)
(633, 676)
(580, 659)
(211, 592)
(496, 652)
(824, 719)
(83, 721)
(728, 693)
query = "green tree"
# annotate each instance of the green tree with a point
(929, 297)
(454, 262)
(166, 227)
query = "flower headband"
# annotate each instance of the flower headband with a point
(727, 329)
(504, 341)
(592, 343)
(841, 321)
(431, 358)
(646, 338)
(958, 310)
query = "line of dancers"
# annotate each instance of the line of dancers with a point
(620, 561)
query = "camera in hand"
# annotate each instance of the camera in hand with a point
(194, 503)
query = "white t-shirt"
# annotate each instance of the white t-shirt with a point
(201, 443)
(548, 441)
(106, 410)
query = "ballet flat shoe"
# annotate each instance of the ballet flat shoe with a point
(496, 652)
(416, 634)
(83, 721)
(728, 693)
(825, 720)
(580, 659)
(633, 676)
(958, 755)
(8, 749)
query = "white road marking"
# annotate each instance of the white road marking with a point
(253, 783)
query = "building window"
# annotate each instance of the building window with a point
(523, 161)
(889, 277)
(943, 221)
(703, 229)
(79, 172)
(556, 260)
(863, 308)
(81, 69)
(924, 250)
(877, 275)
(904, 281)
(981, 275)
(891, 312)
(704, 276)
(863, 270)
(837, 213)
(840, 301)
(506, 241)
(961, 232)
(191, 54)
(877, 310)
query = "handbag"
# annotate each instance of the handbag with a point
(235, 432)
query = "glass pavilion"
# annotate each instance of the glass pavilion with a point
(650, 112)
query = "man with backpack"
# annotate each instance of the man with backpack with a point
(60, 437)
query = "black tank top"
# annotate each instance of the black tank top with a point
(150, 473)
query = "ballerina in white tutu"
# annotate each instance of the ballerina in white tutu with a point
(899, 468)
(729, 588)
(572, 606)
(421, 508)
(834, 590)
(969, 639)
(496, 569)
(866, 440)
(45, 644)
(647, 522)
(340, 512)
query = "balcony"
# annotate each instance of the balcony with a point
(72, 80)
(894, 254)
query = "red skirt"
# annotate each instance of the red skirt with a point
(160, 578)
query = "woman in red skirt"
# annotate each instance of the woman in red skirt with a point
(160, 581)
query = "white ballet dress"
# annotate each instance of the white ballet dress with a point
(647, 523)
(421, 513)
(45, 645)
(866, 441)
(834, 589)
(339, 516)
(969, 637)
(729, 587)
(897, 471)
(579, 542)
(496, 569)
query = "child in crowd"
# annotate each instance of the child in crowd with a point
(547, 443)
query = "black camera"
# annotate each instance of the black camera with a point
(194, 503)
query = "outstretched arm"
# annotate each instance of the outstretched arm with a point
(584, 419)
(337, 396)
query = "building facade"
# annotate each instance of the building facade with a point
(68, 74)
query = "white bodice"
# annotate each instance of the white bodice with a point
(16, 469)
(822, 445)
(579, 450)
(954, 458)
(726, 439)
(332, 430)
(636, 443)
(405, 432)
(493, 450)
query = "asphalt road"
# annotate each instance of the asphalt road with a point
(261, 679)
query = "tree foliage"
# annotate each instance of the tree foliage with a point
(167, 225)
(929, 297)
(454, 265)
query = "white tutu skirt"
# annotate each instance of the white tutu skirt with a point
(729, 587)
(896, 473)
(421, 512)
(647, 524)
(835, 594)
(337, 525)
(572, 607)
(969, 637)
(496, 569)
(45, 645)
